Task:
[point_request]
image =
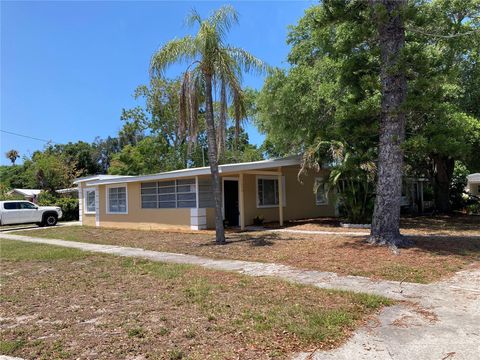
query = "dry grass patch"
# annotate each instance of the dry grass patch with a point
(457, 225)
(64, 303)
(430, 259)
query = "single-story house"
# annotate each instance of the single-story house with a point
(267, 189)
(473, 184)
(27, 194)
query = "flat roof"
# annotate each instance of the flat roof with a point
(223, 169)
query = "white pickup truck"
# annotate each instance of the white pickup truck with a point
(24, 212)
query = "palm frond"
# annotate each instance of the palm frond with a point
(193, 18)
(183, 104)
(177, 50)
(246, 61)
(222, 20)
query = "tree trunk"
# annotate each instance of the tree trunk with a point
(386, 215)
(442, 177)
(213, 159)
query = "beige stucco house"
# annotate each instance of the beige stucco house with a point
(183, 199)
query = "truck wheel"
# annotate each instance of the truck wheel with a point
(50, 220)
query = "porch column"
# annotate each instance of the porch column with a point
(241, 202)
(280, 197)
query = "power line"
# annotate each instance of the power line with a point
(26, 136)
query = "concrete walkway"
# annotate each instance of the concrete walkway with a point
(25, 227)
(440, 321)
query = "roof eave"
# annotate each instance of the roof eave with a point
(223, 169)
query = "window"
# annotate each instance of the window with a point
(205, 193)
(267, 191)
(27, 206)
(89, 201)
(169, 194)
(320, 192)
(117, 200)
(11, 205)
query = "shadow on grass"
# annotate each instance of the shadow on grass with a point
(459, 245)
(252, 239)
(444, 245)
(447, 223)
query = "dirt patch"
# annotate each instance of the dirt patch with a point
(78, 305)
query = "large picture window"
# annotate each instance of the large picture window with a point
(89, 200)
(117, 200)
(169, 194)
(267, 192)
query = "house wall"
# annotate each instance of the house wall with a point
(300, 198)
(138, 218)
(300, 203)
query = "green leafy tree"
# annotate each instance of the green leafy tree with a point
(51, 172)
(81, 153)
(210, 61)
(332, 92)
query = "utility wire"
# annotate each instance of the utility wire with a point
(26, 136)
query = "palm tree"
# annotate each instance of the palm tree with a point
(13, 155)
(212, 64)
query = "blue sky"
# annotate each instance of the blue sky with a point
(68, 68)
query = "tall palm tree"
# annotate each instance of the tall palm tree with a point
(212, 64)
(12, 155)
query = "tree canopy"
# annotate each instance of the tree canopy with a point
(332, 92)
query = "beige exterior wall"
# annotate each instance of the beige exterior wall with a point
(88, 219)
(138, 218)
(300, 199)
(300, 203)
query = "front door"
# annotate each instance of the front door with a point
(230, 195)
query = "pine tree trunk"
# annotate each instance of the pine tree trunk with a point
(213, 159)
(442, 177)
(386, 215)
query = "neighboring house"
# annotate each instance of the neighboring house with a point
(27, 194)
(473, 184)
(184, 199)
(413, 195)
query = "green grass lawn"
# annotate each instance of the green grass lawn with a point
(63, 303)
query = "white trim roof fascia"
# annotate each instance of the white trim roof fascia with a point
(99, 177)
(474, 177)
(223, 169)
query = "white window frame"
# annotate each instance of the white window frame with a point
(176, 193)
(85, 200)
(107, 187)
(269, 177)
(322, 181)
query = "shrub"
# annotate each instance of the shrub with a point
(474, 209)
(68, 205)
(258, 221)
